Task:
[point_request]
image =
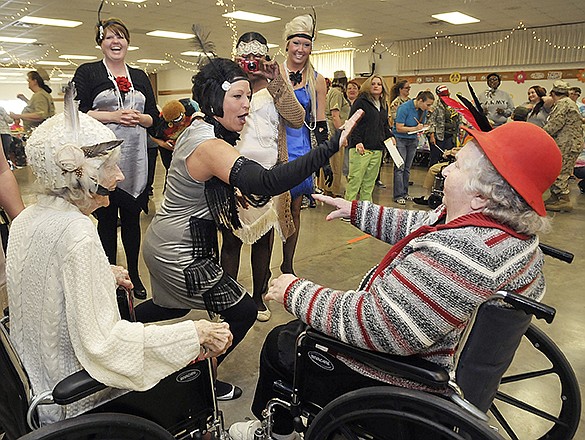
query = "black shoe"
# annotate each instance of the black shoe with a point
(410, 183)
(226, 391)
(139, 291)
(380, 184)
(421, 201)
(581, 186)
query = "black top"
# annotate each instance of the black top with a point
(92, 78)
(372, 129)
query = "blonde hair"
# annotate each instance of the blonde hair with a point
(304, 25)
(367, 84)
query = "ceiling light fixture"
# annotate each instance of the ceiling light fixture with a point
(456, 18)
(169, 34)
(50, 21)
(250, 16)
(340, 33)
(134, 1)
(77, 57)
(151, 61)
(18, 40)
(130, 48)
(53, 63)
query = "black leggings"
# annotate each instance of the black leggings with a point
(130, 228)
(240, 318)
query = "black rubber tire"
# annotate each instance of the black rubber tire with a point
(435, 200)
(105, 426)
(566, 419)
(375, 413)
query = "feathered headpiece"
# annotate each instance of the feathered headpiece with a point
(102, 25)
(215, 77)
(472, 112)
(68, 149)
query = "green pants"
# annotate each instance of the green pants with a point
(363, 171)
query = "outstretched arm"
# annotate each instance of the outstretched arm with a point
(216, 158)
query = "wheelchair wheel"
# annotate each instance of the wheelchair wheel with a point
(384, 413)
(539, 398)
(105, 426)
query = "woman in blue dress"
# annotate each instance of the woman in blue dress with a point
(310, 89)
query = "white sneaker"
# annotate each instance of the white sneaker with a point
(244, 430)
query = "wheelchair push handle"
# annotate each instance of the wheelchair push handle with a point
(528, 306)
(557, 253)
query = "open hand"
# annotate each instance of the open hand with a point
(342, 206)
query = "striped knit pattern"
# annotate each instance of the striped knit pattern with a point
(422, 302)
(64, 314)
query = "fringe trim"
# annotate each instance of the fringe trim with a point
(250, 233)
(221, 200)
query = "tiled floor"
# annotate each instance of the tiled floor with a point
(328, 253)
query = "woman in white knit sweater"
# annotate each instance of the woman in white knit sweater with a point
(62, 289)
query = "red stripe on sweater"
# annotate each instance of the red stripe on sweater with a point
(454, 321)
(445, 352)
(360, 319)
(455, 277)
(312, 304)
(502, 236)
(379, 224)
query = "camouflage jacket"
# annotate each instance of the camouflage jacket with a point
(565, 126)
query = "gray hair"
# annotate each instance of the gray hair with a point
(504, 204)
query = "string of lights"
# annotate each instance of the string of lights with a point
(377, 46)
(302, 7)
(230, 6)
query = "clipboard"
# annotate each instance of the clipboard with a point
(422, 130)
(394, 154)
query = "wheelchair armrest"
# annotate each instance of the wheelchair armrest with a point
(76, 387)
(408, 367)
(557, 253)
(528, 305)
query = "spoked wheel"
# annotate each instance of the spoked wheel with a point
(539, 398)
(104, 426)
(384, 413)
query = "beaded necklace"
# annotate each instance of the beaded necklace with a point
(119, 94)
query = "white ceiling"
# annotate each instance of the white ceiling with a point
(387, 20)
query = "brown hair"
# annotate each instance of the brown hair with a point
(365, 90)
(33, 74)
(115, 25)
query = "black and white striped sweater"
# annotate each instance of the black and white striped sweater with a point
(423, 300)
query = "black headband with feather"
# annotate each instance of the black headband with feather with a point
(102, 25)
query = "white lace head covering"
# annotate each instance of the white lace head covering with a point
(65, 157)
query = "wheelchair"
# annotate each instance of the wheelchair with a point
(454, 409)
(181, 406)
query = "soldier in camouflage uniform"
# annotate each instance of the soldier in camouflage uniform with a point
(565, 126)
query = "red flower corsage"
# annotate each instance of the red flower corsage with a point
(124, 84)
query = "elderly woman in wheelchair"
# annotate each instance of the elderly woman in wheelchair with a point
(421, 296)
(64, 315)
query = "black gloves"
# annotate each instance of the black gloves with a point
(327, 173)
(321, 132)
(252, 178)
